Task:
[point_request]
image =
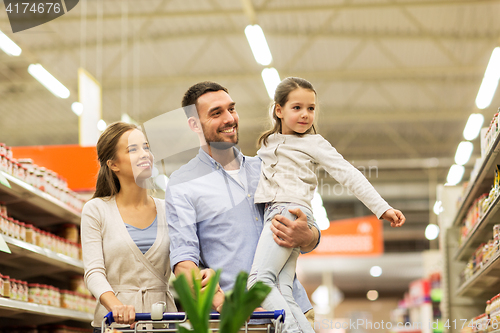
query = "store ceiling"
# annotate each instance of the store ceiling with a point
(396, 80)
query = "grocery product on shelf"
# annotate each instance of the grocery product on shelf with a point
(39, 209)
(39, 177)
(482, 255)
(479, 208)
(490, 135)
(44, 329)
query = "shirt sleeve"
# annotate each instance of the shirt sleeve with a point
(92, 253)
(348, 176)
(182, 229)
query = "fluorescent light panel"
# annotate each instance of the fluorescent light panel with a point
(463, 153)
(258, 44)
(271, 79)
(48, 81)
(455, 174)
(101, 125)
(490, 81)
(77, 108)
(8, 46)
(473, 126)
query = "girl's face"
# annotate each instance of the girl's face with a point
(133, 157)
(297, 115)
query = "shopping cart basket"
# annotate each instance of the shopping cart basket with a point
(276, 326)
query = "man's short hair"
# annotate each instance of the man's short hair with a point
(194, 92)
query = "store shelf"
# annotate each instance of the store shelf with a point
(482, 181)
(481, 232)
(28, 203)
(10, 308)
(484, 283)
(28, 255)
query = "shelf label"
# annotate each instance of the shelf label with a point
(3, 245)
(4, 180)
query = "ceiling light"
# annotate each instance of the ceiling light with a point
(463, 153)
(320, 296)
(258, 44)
(8, 46)
(438, 208)
(271, 79)
(455, 174)
(77, 108)
(319, 211)
(101, 125)
(48, 81)
(490, 81)
(431, 231)
(473, 126)
(376, 271)
(372, 295)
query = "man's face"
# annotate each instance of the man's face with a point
(219, 119)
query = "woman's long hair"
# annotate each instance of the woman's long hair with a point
(280, 98)
(107, 184)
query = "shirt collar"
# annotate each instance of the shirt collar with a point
(204, 157)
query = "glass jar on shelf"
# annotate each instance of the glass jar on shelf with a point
(6, 286)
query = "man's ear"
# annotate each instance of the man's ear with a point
(112, 165)
(194, 124)
(277, 109)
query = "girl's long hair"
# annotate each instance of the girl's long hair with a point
(280, 98)
(107, 184)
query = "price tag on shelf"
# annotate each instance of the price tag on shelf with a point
(4, 180)
(3, 245)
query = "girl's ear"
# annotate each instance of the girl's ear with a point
(112, 165)
(278, 111)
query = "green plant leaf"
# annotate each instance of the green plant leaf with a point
(239, 303)
(195, 302)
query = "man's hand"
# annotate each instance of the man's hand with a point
(206, 275)
(288, 233)
(186, 267)
(394, 216)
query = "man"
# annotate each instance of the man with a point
(213, 221)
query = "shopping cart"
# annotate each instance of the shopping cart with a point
(276, 325)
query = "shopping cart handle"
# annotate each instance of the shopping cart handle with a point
(277, 314)
(147, 316)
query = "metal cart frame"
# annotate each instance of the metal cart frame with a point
(276, 325)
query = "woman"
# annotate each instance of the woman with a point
(125, 240)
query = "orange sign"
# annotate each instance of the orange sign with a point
(360, 236)
(78, 165)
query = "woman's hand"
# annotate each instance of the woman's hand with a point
(123, 314)
(394, 216)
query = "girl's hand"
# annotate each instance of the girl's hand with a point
(123, 314)
(394, 216)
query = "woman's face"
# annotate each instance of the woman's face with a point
(133, 157)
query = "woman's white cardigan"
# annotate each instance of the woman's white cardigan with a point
(113, 262)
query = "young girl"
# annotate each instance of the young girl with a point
(290, 156)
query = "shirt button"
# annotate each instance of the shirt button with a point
(256, 219)
(249, 195)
